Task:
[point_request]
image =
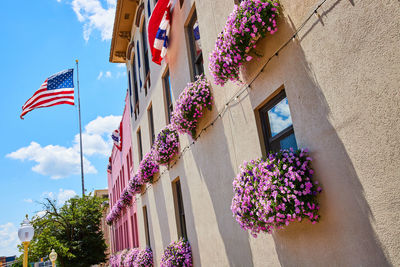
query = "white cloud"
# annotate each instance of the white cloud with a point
(53, 160)
(40, 213)
(105, 75)
(121, 65)
(8, 239)
(28, 200)
(121, 74)
(59, 161)
(95, 17)
(64, 195)
(103, 125)
(97, 135)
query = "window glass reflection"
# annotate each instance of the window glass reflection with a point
(279, 117)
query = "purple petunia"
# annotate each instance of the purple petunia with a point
(271, 193)
(178, 253)
(190, 106)
(248, 21)
(147, 168)
(166, 145)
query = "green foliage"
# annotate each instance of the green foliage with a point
(73, 230)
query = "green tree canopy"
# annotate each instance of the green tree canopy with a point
(73, 230)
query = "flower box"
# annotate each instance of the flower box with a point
(166, 145)
(250, 20)
(178, 253)
(271, 193)
(190, 106)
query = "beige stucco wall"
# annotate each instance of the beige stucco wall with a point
(341, 75)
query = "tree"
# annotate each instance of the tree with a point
(73, 230)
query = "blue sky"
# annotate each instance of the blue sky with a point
(39, 156)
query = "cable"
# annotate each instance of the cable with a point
(237, 94)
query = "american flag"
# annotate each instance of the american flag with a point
(56, 90)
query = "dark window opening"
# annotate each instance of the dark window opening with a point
(146, 226)
(146, 58)
(196, 53)
(151, 125)
(179, 209)
(148, 8)
(140, 148)
(277, 124)
(168, 95)
(181, 3)
(135, 89)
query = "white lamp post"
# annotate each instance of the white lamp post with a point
(53, 257)
(25, 234)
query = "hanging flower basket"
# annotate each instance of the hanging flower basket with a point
(126, 197)
(144, 258)
(166, 145)
(147, 168)
(115, 212)
(271, 193)
(138, 257)
(134, 185)
(249, 21)
(130, 257)
(190, 106)
(178, 253)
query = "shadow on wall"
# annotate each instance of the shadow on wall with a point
(345, 235)
(162, 213)
(218, 181)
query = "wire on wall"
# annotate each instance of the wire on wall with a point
(235, 97)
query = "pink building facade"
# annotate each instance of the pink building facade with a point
(124, 231)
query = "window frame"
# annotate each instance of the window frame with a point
(146, 226)
(196, 61)
(145, 53)
(140, 144)
(135, 93)
(151, 124)
(271, 142)
(179, 209)
(169, 106)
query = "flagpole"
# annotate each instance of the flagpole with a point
(80, 128)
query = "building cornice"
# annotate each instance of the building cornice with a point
(125, 12)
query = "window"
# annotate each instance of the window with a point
(130, 92)
(146, 226)
(196, 54)
(148, 8)
(123, 177)
(151, 125)
(135, 236)
(179, 210)
(130, 158)
(168, 95)
(146, 58)
(181, 3)
(139, 65)
(128, 166)
(135, 88)
(277, 124)
(126, 235)
(140, 148)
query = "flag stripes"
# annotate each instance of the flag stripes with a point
(62, 92)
